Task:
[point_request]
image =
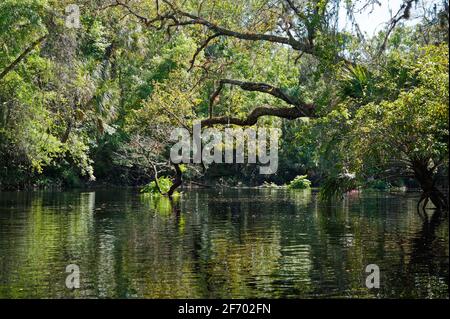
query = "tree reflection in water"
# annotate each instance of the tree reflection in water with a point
(237, 243)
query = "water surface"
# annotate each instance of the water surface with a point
(219, 244)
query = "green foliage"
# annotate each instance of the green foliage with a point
(103, 98)
(378, 184)
(335, 186)
(300, 182)
(356, 82)
(384, 121)
(414, 125)
(164, 184)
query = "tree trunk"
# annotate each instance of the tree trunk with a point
(155, 173)
(66, 134)
(425, 177)
(177, 181)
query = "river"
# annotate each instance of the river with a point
(247, 243)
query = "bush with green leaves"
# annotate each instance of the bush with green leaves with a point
(300, 182)
(336, 186)
(164, 184)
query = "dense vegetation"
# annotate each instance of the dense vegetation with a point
(96, 104)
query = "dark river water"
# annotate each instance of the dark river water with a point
(219, 244)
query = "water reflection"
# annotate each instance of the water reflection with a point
(236, 243)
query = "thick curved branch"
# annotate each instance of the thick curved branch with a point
(305, 46)
(295, 44)
(181, 18)
(203, 46)
(177, 181)
(255, 87)
(147, 21)
(295, 9)
(289, 113)
(264, 88)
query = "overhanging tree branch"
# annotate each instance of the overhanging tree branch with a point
(149, 22)
(179, 17)
(196, 20)
(295, 9)
(259, 87)
(264, 88)
(305, 45)
(289, 113)
(201, 47)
